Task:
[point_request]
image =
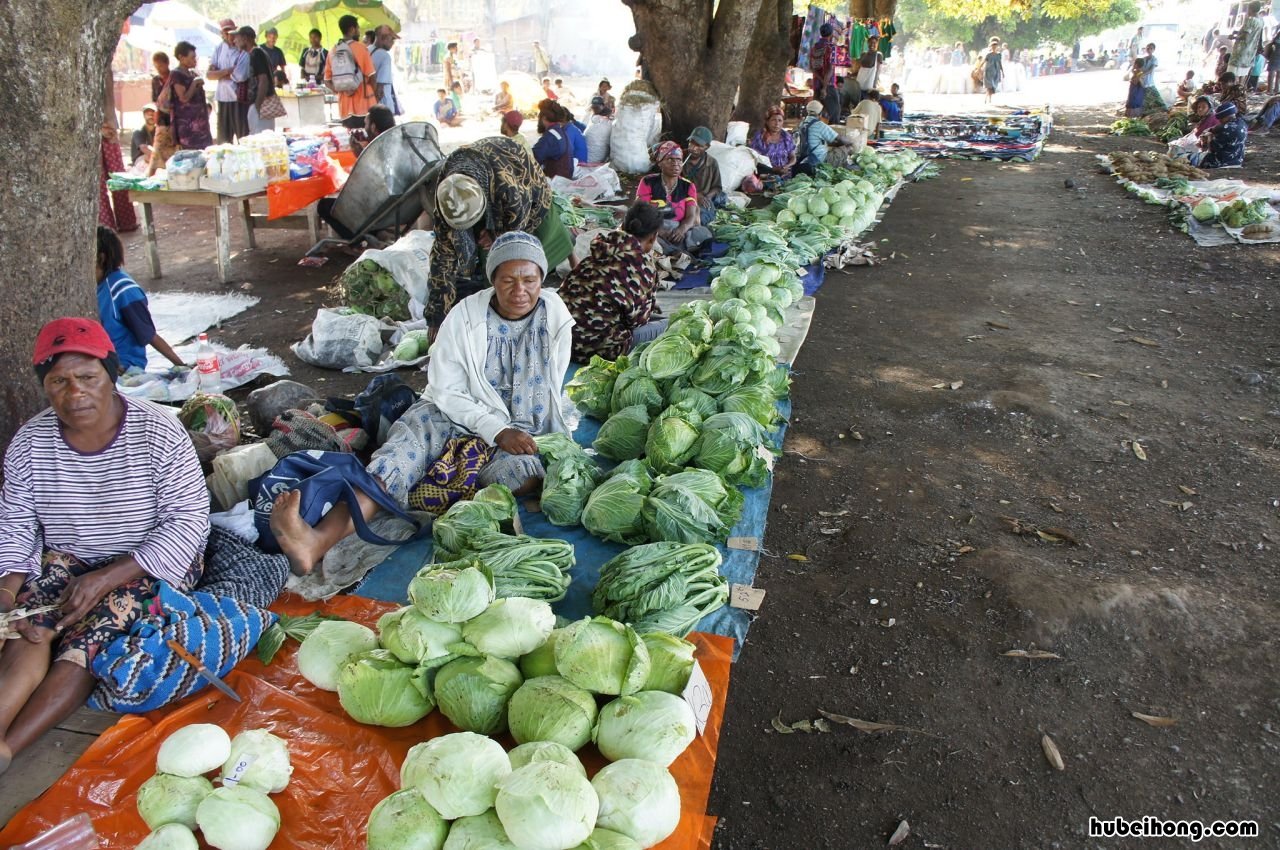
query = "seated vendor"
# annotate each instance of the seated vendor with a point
(103, 497)
(554, 149)
(1224, 144)
(1187, 87)
(496, 373)
(142, 144)
(813, 138)
(1202, 112)
(704, 171)
(510, 127)
(122, 306)
(775, 142)
(502, 101)
(610, 293)
(677, 199)
(892, 104)
(487, 188)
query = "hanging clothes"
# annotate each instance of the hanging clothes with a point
(813, 22)
(858, 39)
(887, 32)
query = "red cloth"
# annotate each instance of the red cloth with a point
(115, 210)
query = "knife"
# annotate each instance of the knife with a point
(205, 672)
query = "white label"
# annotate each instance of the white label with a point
(746, 597)
(698, 695)
(239, 769)
(746, 544)
(767, 456)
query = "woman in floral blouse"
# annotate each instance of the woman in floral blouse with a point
(610, 293)
(775, 142)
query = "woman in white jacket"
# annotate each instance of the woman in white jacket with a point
(496, 372)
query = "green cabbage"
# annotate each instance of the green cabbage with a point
(591, 389)
(639, 799)
(652, 725)
(479, 832)
(670, 356)
(414, 638)
(756, 400)
(453, 592)
(571, 476)
(694, 327)
(546, 806)
(536, 751)
(458, 774)
(670, 662)
(688, 398)
(196, 749)
(613, 511)
(551, 708)
(622, 436)
(693, 506)
(473, 693)
(165, 799)
(602, 656)
(636, 386)
(170, 836)
(730, 447)
(607, 839)
(405, 821)
(236, 818)
(510, 628)
(491, 509)
(376, 688)
(672, 439)
(725, 367)
(542, 661)
(266, 759)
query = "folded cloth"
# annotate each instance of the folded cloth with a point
(453, 477)
(234, 567)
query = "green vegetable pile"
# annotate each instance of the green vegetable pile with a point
(522, 565)
(1242, 213)
(369, 288)
(584, 217)
(662, 587)
(413, 344)
(1178, 125)
(1130, 127)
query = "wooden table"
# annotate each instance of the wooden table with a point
(222, 205)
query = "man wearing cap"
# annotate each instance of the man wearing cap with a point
(102, 498)
(495, 381)
(384, 37)
(261, 79)
(144, 138)
(510, 127)
(229, 66)
(487, 188)
(704, 172)
(812, 139)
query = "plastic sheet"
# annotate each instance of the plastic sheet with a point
(342, 769)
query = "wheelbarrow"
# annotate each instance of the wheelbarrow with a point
(388, 188)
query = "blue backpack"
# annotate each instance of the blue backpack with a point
(325, 479)
(376, 409)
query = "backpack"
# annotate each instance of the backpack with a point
(312, 61)
(376, 409)
(804, 151)
(345, 73)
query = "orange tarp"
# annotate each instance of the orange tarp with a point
(286, 198)
(341, 769)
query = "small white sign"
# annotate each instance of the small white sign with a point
(746, 544)
(698, 695)
(766, 455)
(239, 769)
(746, 597)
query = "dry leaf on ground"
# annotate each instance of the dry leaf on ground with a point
(1155, 720)
(1051, 753)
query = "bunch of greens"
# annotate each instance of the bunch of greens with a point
(591, 388)
(524, 566)
(370, 289)
(1178, 125)
(622, 436)
(571, 476)
(661, 587)
(491, 509)
(613, 511)
(1130, 127)
(693, 506)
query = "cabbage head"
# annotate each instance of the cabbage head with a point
(491, 509)
(603, 656)
(639, 799)
(546, 806)
(694, 327)
(267, 757)
(453, 592)
(688, 398)
(693, 506)
(636, 386)
(473, 693)
(458, 774)
(730, 448)
(613, 511)
(607, 839)
(653, 725)
(670, 356)
(376, 688)
(725, 367)
(622, 436)
(405, 821)
(551, 708)
(196, 749)
(536, 751)
(670, 662)
(756, 400)
(510, 628)
(236, 818)
(479, 832)
(414, 638)
(673, 439)
(571, 476)
(591, 389)
(542, 661)
(164, 799)
(171, 836)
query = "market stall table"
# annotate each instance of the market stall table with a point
(222, 205)
(303, 108)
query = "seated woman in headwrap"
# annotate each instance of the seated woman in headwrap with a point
(610, 293)
(494, 383)
(775, 142)
(103, 498)
(488, 188)
(677, 199)
(1224, 144)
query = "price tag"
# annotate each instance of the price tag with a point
(767, 456)
(746, 597)
(745, 544)
(698, 695)
(239, 769)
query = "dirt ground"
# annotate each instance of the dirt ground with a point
(1080, 324)
(1078, 321)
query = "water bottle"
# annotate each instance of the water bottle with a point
(210, 374)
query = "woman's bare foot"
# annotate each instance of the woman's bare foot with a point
(6, 757)
(298, 541)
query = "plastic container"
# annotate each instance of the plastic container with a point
(75, 833)
(210, 373)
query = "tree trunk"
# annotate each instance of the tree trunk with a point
(49, 164)
(873, 8)
(763, 77)
(694, 51)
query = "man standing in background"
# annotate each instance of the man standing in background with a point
(384, 38)
(349, 71)
(1248, 42)
(276, 56)
(541, 61)
(313, 58)
(230, 67)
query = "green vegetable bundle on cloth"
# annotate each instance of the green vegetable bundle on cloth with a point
(661, 587)
(614, 509)
(491, 509)
(524, 566)
(571, 476)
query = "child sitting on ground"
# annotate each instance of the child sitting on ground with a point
(122, 307)
(1187, 87)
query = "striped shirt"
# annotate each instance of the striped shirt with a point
(143, 495)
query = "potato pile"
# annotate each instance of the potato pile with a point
(1147, 166)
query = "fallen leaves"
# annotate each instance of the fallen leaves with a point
(1033, 654)
(1182, 506)
(1051, 753)
(795, 556)
(1144, 341)
(953, 385)
(1136, 447)
(1053, 534)
(870, 726)
(1187, 490)
(1155, 720)
(997, 325)
(783, 728)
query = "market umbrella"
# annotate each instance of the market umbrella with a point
(294, 24)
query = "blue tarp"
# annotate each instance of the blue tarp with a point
(390, 579)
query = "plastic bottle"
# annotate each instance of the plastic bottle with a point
(210, 374)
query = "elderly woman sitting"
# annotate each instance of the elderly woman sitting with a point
(775, 142)
(677, 199)
(496, 372)
(610, 293)
(103, 498)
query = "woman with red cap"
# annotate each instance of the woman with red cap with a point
(102, 499)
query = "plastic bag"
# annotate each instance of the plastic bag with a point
(212, 422)
(339, 339)
(638, 125)
(736, 164)
(736, 134)
(599, 130)
(409, 262)
(590, 184)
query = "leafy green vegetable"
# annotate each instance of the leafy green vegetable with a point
(267, 757)
(510, 628)
(734, 447)
(415, 639)
(622, 436)
(369, 288)
(652, 725)
(524, 566)
(639, 799)
(551, 708)
(591, 388)
(662, 586)
(671, 355)
(377, 688)
(165, 798)
(603, 656)
(613, 511)
(453, 592)
(757, 400)
(672, 439)
(546, 806)
(670, 662)
(405, 821)
(491, 509)
(458, 774)
(473, 693)
(536, 751)
(194, 750)
(327, 648)
(693, 506)
(288, 627)
(571, 476)
(236, 818)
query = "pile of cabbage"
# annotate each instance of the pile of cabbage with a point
(508, 670)
(238, 814)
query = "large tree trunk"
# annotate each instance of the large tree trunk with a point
(763, 76)
(693, 51)
(49, 163)
(873, 8)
